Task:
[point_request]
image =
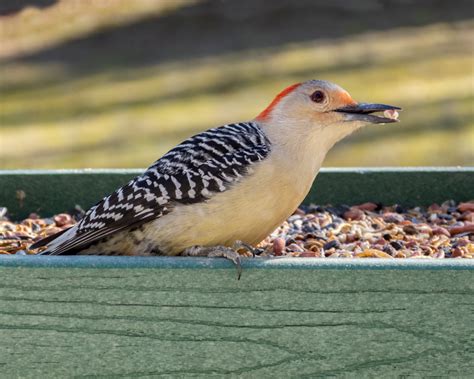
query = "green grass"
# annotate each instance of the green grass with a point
(124, 116)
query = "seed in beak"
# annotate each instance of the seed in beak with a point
(391, 113)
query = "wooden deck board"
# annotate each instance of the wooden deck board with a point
(203, 322)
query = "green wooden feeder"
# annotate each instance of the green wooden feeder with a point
(288, 317)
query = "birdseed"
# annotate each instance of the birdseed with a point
(367, 230)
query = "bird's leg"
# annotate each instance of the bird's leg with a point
(220, 251)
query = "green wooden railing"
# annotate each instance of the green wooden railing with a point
(56, 191)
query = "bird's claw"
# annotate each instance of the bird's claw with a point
(216, 252)
(243, 245)
(234, 256)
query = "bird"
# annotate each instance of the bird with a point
(227, 187)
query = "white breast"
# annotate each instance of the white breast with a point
(248, 211)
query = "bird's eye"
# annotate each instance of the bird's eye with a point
(318, 96)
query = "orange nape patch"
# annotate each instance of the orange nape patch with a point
(264, 114)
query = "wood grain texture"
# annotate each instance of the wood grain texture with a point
(202, 322)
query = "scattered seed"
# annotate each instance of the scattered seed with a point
(440, 230)
(367, 230)
(382, 231)
(392, 217)
(278, 246)
(63, 219)
(397, 245)
(469, 206)
(373, 253)
(369, 207)
(331, 244)
(410, 229)
(354, 214)
(466, 228)
(391, 113)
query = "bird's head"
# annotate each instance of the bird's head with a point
(318, 106)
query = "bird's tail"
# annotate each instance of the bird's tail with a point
(49, 240)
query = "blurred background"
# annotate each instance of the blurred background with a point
(116, 83)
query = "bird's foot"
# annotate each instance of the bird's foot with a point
(240, 245)
(221, 252)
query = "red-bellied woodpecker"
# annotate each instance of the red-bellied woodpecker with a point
(234, 183)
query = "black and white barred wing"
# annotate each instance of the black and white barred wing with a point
(130, 205)
(201, 166)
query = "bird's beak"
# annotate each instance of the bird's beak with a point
(363, 112)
